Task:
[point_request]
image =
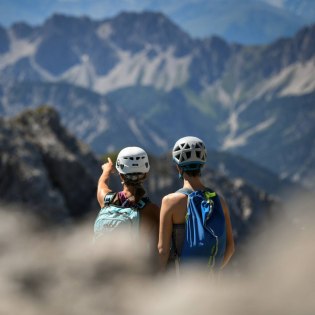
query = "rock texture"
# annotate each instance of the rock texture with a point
(44, 168)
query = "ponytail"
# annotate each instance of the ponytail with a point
(137, 185)
(139, 192)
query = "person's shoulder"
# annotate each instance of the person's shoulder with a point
(173, 199)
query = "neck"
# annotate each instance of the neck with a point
(129, 190)
(193, 183)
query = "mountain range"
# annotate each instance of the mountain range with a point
(246, 21)
(138, 79)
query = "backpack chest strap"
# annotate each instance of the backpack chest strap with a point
(109, 197)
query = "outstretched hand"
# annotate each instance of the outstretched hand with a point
(108, 166)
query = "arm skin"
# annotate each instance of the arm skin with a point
(229, 234)
(149, 228)
(166, 226)
(102, 187)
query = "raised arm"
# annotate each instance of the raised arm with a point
(229, 233)
(102, 187)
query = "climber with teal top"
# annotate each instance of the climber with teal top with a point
(129, 209)
(195, 225)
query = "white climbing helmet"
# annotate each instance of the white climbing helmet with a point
(132, 160)
(189, 150)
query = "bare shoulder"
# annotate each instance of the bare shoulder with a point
(173, 200)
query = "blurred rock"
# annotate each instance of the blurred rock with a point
(44, 168)
(64, 272)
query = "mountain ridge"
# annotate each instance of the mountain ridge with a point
(215, 88)
(246, 21)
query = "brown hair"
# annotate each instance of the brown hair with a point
(137, 186)
(192, 170)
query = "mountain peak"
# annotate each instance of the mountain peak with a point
(68, 24)
(138, 29)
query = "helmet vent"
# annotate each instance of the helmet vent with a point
(134, 159)
(189, 150)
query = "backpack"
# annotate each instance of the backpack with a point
(205, 230)
(111, 216)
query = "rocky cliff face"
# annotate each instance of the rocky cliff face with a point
(44, 168)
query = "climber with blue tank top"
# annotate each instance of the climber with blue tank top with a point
(195, 224)
(133, 166)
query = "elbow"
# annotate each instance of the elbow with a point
(162, 250)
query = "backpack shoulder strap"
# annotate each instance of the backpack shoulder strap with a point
(208, 193)
(108, 199)
(142, 203)
(185, 191)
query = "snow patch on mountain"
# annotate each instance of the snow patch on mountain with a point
(150, 67)
(165, 71)
(19, 48)
(160, 142)
(233, 140)
(296, 79)
(302, 79)
(83, 74)
(97, 127)
(132, 123)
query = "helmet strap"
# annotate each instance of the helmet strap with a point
(180, 174)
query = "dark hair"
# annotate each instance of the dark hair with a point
(192, 170)
(139, 190)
